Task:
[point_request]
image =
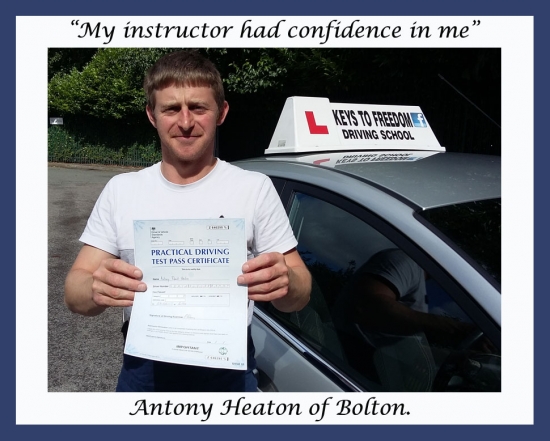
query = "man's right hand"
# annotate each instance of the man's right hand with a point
(115, 283)
(98, 280)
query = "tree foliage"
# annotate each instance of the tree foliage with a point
(63, 60)
(108, 86)
(109, 83)
(273, 70)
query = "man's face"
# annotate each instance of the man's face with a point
(186, 120)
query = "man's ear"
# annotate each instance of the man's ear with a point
(151, 116)
(223, 113)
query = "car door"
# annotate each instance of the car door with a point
(340, 341)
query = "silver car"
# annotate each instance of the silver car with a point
(438, 213)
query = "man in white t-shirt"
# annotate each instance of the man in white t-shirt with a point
(386, 306)
(185, 103)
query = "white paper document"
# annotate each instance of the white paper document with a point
(193, 311)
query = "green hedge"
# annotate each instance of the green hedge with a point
(66, 146)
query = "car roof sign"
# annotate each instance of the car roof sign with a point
(315, 125)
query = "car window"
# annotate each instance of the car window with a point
(475, 228)
(376, 315)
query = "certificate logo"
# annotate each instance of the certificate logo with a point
(223, 351)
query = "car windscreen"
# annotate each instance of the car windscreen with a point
(475, 228)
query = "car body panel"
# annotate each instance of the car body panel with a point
(440, 179)
(292, 369)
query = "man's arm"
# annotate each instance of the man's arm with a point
(98, 280)
(376, 307)
(282, 279)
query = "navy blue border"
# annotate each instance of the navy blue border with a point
(243, 8)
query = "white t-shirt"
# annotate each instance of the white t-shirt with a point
(226, 191)
(397, 268)
(404, 273)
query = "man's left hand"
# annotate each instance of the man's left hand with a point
(279, 278)
(266, 276)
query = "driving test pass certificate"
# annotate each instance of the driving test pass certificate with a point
(193, 311)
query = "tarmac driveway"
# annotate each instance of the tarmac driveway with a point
(84, 353)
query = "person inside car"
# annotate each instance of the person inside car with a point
(386, 305)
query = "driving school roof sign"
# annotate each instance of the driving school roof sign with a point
(311, 124)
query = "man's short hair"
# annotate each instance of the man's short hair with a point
(183, 68)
